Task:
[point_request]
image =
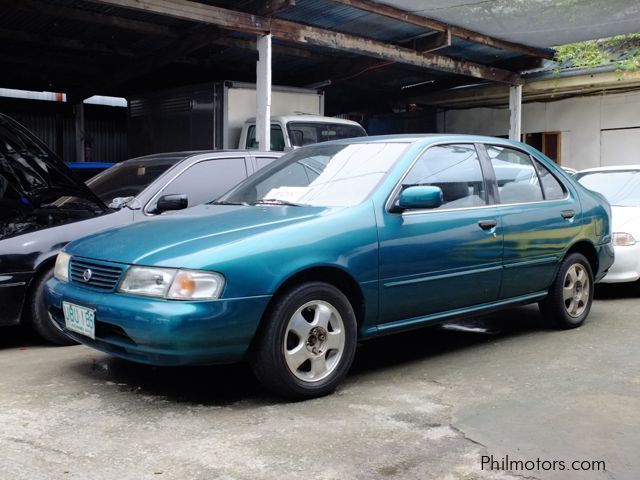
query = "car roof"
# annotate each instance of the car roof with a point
(428, 138)
(303, 117)
(176, 157)
(615, 168)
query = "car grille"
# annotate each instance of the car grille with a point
(104, 276)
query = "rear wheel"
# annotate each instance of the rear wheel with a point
(308, 342)
(38, 317)
(570, 297)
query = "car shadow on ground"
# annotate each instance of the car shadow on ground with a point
(235, 384)
(229, 384)
(617, 291)
(19, 337)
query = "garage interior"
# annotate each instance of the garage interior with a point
(383, 64)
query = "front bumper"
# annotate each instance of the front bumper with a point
(162, 332)
(626, 267)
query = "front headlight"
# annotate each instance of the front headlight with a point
(622, 239)
(61, 269)
(149, 281)
(172, 283)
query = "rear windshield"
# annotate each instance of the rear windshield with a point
(307, 133)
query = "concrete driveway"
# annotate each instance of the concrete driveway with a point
(429, 404)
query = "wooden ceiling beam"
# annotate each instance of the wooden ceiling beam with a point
(429, 23)
(306, 34)
(86, 16)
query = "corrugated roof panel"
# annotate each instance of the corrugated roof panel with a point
(346, 19)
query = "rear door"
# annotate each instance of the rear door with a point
(446, 258)
(539, 217)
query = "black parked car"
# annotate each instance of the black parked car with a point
(44, 205)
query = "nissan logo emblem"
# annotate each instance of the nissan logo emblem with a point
(86, 276)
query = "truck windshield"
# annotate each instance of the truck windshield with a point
(307, 133)
(320, 175)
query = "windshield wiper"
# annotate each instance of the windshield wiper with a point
(275, 201)
(224, 202)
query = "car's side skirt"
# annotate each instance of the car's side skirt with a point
(417, 322)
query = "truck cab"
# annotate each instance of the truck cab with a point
(292, 131)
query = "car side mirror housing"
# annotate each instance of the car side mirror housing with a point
(178, 201)
(420, 197)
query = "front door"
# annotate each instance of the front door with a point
(446, 258)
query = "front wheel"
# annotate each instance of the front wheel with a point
(569, 300)
(307, 342)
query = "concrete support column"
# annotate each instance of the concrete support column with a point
(78, 113)
(263, 93)
(515, 107)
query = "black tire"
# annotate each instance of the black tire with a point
(37, 315)
(311, 300)
(576, 275)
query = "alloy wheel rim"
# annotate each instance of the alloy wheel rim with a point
(576, 290)
(314, 341)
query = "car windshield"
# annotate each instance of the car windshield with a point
(307, 133)
(320, 175)
(128, 179)
(621, 188)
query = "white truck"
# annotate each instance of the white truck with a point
(218, 116)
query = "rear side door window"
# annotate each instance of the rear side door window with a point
(205, 181)
(456, 170)
(516, 176)
(264, 161)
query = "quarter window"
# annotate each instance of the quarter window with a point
(553, 189)
(453, 168)
(516, 176)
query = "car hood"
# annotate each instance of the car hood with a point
(167, 239)
(625, 219)
(33, 171)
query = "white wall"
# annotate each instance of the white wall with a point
(583, 121)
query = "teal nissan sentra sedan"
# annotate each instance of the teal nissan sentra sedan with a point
(336, 243)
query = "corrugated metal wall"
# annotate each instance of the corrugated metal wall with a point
(53, 123)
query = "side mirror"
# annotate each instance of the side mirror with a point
(420, 197)
(178, 201)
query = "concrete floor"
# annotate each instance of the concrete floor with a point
(423, 405)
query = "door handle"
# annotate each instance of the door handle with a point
(567, 214)
(487, 224)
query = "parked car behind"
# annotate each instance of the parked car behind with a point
(43, 206)
(621, 187)
(336, 243)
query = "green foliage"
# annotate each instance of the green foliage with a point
(621, 50)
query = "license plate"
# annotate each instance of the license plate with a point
(80, 319)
